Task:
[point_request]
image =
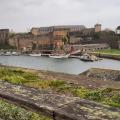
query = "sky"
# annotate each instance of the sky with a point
(22, 15)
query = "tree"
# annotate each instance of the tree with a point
(65, 40)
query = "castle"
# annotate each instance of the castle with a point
(47, 38)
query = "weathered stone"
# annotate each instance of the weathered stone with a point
(103, 74)
(64, 107)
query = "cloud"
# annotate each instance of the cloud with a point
(22, 14)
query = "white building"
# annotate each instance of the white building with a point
(118, 30)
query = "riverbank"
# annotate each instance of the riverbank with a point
(110, 51)
(110, 54)
(80, 79)
(47, 91)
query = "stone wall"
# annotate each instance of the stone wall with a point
(31, 41)
(75, 40)
(4, 36)
(90, 47)
(103, 74)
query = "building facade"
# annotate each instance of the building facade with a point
(49, 38)
(45, 30)
(47, 41)
(98, 28)
(90, 47)
(29, 42)
(4, 36)
(118, 30)
(58, 34)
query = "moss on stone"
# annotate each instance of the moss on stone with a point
(11, 112)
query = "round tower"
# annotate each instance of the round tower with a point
(98, 28)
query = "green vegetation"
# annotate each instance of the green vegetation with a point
(6, 46)
(11, 112)
(17, 76)
(107, 96)
(65, 39)
(110, 51)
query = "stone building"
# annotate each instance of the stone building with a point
(85, 35)
(118, 30)
(98, 28)
(4, 36)
(75, 40)
(44, 42)
(48, 38)
(90, 47)
(58, 34)
(31, 42)
(44, 30)
(41, 30)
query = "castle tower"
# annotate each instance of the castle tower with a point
(98, 28)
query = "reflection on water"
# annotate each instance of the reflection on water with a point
(73, 66)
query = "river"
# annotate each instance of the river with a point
(71, 65)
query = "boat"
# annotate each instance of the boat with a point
(15, 53)
(87, 57)
(1, 53)
(35, 55)
(8, 54)
(59, 56)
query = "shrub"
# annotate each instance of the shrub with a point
(80, 92)
(17, 76)
(57, 83)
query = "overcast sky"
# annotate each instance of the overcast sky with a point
(21, 15)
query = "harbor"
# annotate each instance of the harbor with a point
(69, 65)
(59, 60)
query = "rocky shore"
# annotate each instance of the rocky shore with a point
(103, 74)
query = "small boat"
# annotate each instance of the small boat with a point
(87, 57)
(1, 53)
(35, 55)
(59, 56)
(8, 54)
(15, 53)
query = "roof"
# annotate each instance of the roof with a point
(4, 29)
(89, 30)
(62, 27)
(98, 24)
(118, 28)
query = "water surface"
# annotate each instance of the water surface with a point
(71, 65)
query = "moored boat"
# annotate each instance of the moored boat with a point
(59, 56)
(35, 55)
(1, 53)
(8, 54)
(15, 53)
(87, 57)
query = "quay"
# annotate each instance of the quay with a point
(106, 55)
